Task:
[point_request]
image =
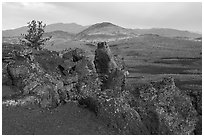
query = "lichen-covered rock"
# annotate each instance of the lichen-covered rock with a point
(18, 71)
(103, 59)
(53, 79)
(198, 128)
(117, 114)
(110, 72)
(171, 110)
(6, 79)
(74, 55)
(196, 97)
(49, 79)
(32, 79)
(121, 116)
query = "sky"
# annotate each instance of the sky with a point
(182, 16)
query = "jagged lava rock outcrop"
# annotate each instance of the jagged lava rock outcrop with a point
(164, 109)
(48, 79)
(109, 68)
(45, 75)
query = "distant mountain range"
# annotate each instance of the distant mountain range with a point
(167, 32)
(68, 27)
(100, 31)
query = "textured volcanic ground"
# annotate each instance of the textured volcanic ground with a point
(67, 119)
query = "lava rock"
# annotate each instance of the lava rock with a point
(110, 72)
(166, 106)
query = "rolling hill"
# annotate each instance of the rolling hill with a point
(14, 32)
(67, 27)
(59, 34)
(104, 31)
(60, 40)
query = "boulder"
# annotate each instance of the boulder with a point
(110, 72)
(30, 78)
(164, 109)
(116, 112)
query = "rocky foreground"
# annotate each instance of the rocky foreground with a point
(48, 79)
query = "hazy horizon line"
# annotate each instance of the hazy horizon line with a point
(199, 32)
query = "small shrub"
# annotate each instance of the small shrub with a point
(34, 37)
